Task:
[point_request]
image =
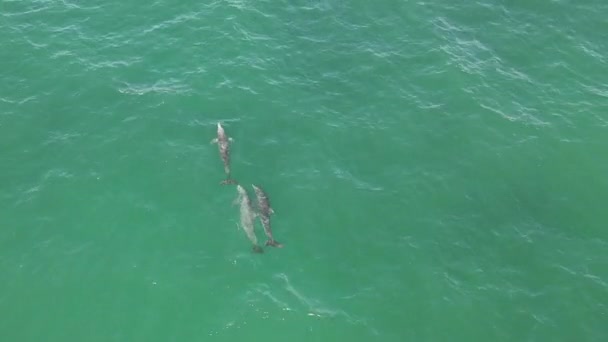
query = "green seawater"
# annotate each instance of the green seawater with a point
(438, 170)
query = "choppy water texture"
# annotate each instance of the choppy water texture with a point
(438, 170)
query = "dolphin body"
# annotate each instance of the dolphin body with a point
(223, 142)
(247, 217)
(264, 212)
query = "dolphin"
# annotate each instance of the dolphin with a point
(247, 217)
(223, 142)
(264, 212)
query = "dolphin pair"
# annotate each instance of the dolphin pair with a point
(223, 143)
(248, 216)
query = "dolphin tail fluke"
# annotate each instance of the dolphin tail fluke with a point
(274, 243)
(257, 249)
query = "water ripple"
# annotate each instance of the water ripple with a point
(31, 10)
(343, 174)
(312, 306)
(180, 19)
(170, 86)
(59, 137)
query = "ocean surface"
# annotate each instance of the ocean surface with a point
(438, 170)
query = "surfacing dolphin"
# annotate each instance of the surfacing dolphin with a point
(247, 217)
(264, 211)
(223, 143)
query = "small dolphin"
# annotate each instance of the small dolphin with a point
(223, 142)
(247, 217)
(264, 211)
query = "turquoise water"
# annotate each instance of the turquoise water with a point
(437, 169)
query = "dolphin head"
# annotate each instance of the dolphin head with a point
(240, 190)
(256, 189)
(220, 129)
